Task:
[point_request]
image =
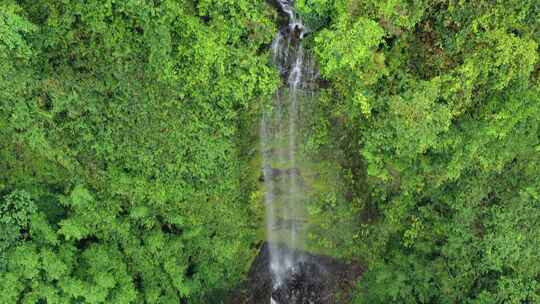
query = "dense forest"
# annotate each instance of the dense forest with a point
(130, 164)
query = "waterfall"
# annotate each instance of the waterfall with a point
(281, 163)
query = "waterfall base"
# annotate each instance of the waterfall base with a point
(317, 280)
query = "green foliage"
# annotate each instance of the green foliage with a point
(314, 13)
(17, 209)
(349, 48)
(15, 214)
(13, 45)
(122, 121)
(127, 172)
(442, 101)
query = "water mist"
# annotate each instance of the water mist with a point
(286, 216)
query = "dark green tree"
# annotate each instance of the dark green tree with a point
(121, 126)
(441, 101)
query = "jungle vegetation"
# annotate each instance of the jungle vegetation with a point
(128, 147)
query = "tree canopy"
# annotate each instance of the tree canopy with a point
(128, 167)
(440, 100)
(121, 162)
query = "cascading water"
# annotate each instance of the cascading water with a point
(285, 193)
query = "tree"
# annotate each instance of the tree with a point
(121, 121)
(443, 99)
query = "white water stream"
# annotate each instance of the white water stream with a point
(284, 189)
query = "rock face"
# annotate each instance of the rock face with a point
(317, 280)
(276, 173)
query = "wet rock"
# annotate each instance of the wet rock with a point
(289, 224)
(316, 280)
(275, 173)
